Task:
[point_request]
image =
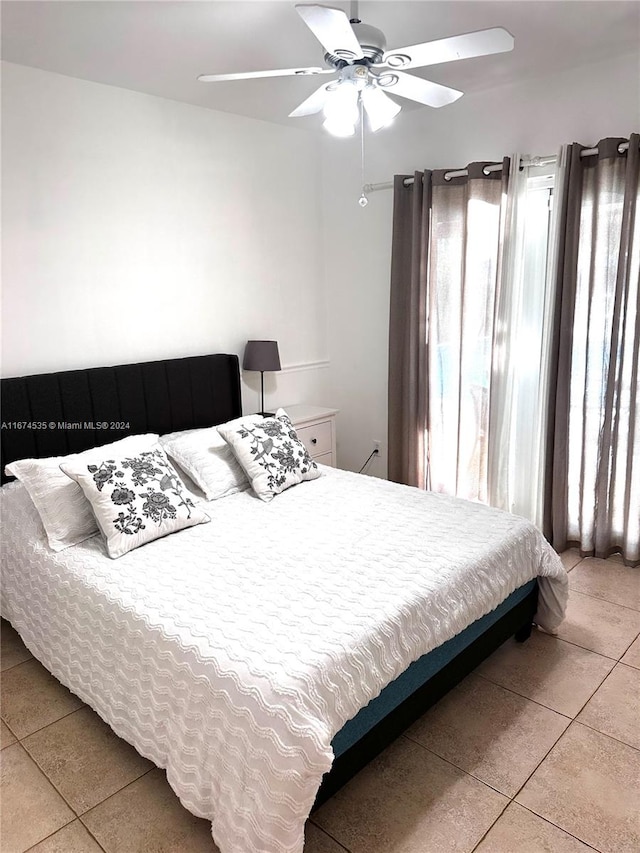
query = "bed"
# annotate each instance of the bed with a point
(263, 658)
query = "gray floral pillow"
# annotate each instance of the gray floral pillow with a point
(135, 499)
(271, 454)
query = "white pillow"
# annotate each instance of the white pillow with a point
(207, 459)
(271, 453)
(135, 497)
(66, 514)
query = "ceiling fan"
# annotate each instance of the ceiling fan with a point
(368, 73)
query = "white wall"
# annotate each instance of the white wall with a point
(583, 105)
(137, 228)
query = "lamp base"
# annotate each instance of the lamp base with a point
(267, 414)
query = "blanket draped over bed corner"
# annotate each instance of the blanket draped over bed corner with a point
(231, 653)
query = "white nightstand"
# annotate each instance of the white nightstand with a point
(316, 428)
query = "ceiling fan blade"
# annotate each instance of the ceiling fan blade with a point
(279, 72)
(332, 29)
(313, 104)
(480, 43)
(417, 89)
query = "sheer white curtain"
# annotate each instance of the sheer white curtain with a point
(490, 304)
(522, 344)
(465, 250)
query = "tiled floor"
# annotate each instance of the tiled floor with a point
(537, 752)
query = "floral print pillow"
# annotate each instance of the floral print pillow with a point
(135, 499)
(271, 454)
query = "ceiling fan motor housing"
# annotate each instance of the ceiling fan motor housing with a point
(372, 42)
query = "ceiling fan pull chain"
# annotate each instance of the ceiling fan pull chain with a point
(363, 201)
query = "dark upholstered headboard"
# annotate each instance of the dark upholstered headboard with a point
(53, 414)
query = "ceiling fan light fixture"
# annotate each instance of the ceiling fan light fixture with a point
(380, 108)
(341, 109)
(338, 127)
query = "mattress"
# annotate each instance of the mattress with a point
(233, 652)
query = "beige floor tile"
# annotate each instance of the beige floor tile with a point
(520, 830)
(409, 800)
(556, 674)
(570, 558)
(589, 785)
(84, 759)
(6, 736)
(12, 649)
(608, 579)
(31, 807)
(147, 817)
(632, 655)
(32, 698)
(599, 625)
(614, 709)
(73, 838)
(317, 841)
(492, 733)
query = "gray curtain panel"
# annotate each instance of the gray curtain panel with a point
(407, 330)
(592, 487)
(447, 242)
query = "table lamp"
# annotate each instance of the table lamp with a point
(261, 355)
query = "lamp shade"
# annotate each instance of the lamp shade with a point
(261, 355)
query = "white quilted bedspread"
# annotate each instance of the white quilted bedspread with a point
(231, 653)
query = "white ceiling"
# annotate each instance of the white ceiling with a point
(160, 47)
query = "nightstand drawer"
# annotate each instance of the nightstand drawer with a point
(317, 438)
(325, 459)
(316, 426)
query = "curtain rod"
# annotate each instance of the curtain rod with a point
(462, 173)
